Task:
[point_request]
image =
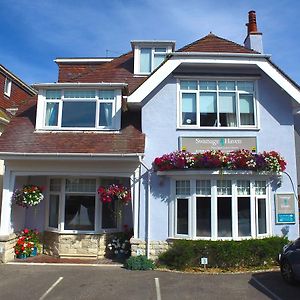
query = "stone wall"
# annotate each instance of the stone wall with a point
(7, 248)
(138, 247)
(75, 245)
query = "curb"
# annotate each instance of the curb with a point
(64, 264)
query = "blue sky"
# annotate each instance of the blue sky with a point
(35, 32)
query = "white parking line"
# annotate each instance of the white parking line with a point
(51, 287)
(265, 288)
(158, 295)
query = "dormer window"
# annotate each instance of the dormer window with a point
(84, 109)
(148, 55)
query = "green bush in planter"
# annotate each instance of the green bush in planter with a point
(139, 263)
(223, 254)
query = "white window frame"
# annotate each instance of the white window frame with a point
(153, 53)
(214, 209)
(217, 91)
(7, 87)
(61, 214)
(116, 111)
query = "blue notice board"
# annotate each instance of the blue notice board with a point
(285, 208)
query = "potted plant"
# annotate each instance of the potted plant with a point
(27, 244)
(29, 195)
(114, 192)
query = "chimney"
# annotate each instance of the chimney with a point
(254, 38)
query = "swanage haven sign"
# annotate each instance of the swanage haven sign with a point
(226, 144)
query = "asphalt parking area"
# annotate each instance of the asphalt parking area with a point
(88, 282)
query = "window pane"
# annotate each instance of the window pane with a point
(260, 187)
(247, 86)
(224, 217)
(208, 85)
(53, 211)
(203, 216)
(243, 187)
(51, 118)
(105, 118)
(107, 95)
(189, 109)
(109, 215)
(203, 187)
(227, 85)
(78, 114)
(182, 187)
(80, 94)
(160, 50)
(182, 216)
(53, 94)
(227, 108)
(7, 87)
(224, 187)
(208, 109)
(244, 219)
(84, 185)
(80, 212)
(188, 85)
(145, 64)
(55, 184)
(158, 59)
(261, 216)
(246, 109)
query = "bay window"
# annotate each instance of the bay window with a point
(80, 109)
(74, 206)
(220, 208)
(217, 104)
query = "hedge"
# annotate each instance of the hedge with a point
(184, 254)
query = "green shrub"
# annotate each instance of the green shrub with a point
(223, 254)
(139, 263)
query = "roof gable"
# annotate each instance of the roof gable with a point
(213, 43)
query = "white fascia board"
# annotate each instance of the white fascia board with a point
(70, 156)
(78, 84)
(170, 65)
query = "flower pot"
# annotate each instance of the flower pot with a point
(34, 252)
(21, 256)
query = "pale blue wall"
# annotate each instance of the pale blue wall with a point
(159, 125)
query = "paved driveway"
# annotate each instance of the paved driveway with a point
(87, 282)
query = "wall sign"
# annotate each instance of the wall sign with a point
(285, 208)
(226, 144)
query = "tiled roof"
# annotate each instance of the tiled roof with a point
(20, 137)
(118, 70)
(213, 43)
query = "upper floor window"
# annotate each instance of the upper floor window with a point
(217, 104)
(80, 109)
(151, 58)
(7, 87)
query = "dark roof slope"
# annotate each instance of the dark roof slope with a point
(20, 137)
(118, 70)
(213, 43)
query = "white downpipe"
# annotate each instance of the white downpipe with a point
(148, 208)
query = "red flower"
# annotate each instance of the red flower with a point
(25, 230)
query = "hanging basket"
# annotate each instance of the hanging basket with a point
(29, 195)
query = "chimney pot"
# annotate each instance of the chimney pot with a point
(252, 26)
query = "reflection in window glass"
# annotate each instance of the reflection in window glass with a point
(78, 114)
(182, 216)
(243, 187)
(83, 185)
(106, 95)
(53, 211)
(224, 217)
(109, 215)
(189, 109)
(183, 187)
(75, 94)
(208, 109)
(188, 85)
(105, 118)
(244, 218)
(261, 216)
(227, 108)
(208, 85)
(53, 94)
(246, 86)
(203, 215)
(51, 118)
(79, 212)
(145, 64)
(227, 85)
(246, 109)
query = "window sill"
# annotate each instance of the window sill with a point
(78, 232)
(218, 128)
(61, 130)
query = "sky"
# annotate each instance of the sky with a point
(35, 32)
